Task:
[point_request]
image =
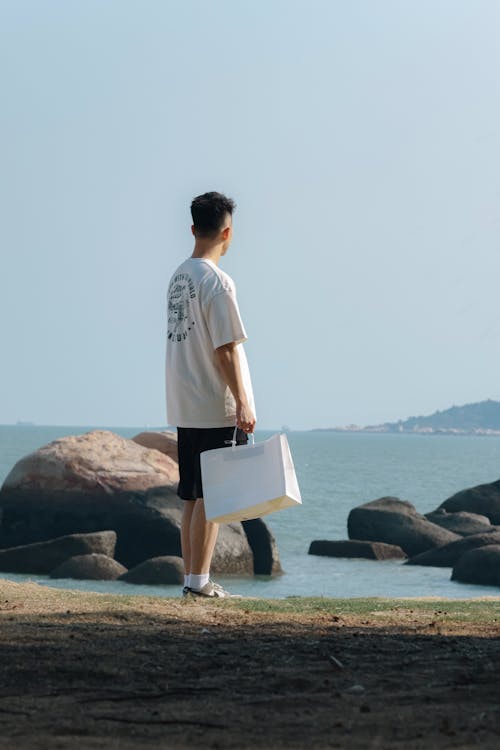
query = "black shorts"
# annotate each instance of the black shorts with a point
(191, 441)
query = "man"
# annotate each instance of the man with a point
(209, 391)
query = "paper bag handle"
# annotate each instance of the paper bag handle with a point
(233, 441)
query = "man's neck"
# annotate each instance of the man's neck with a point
(208, 250)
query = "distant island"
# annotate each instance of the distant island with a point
(481, 418)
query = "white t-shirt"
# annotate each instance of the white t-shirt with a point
(203, 314)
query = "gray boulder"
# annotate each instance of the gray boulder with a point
(232, 552)
(483, 499)
(396, 521)
(460, 522)
(167, 570)
(43, 557)
(266, 560)
(97, 481)
(92, 567)
(356, 548)
(447, 555)
(481, 565)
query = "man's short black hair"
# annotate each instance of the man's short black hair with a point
(209, 213)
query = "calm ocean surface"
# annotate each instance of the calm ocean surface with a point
(336, 472)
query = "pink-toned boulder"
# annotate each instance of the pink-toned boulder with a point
(92, 482)
(165, 442)
(98, 462)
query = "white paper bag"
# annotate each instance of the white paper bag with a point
(249, 481)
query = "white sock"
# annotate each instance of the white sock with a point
(187, 580)
(198, 581)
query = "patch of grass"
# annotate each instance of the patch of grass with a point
(470, 610)
(480, 611)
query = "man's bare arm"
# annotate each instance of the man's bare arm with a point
(229, 365)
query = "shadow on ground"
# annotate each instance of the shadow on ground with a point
(131, 680)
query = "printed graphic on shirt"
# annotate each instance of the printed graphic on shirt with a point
(181, 293)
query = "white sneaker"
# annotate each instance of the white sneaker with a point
(214, 590)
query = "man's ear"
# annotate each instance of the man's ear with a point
(192, 230)
(225, 233)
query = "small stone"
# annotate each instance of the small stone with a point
(355, 690)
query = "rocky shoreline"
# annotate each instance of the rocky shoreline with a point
(463, 533)
(101, 507)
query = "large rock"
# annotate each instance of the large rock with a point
(447, 555)
(90, 568)
(481, 565)
(102, 481)
(43, 557)
(483, 499)
(395, 521)
(355, 548)
(460, 522)
(166, 570)
(97, 462)
(264, 548)
(165, 442)
(232, 551)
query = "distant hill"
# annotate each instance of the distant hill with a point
(481, 418)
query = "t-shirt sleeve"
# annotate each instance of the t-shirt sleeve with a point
(224, 320)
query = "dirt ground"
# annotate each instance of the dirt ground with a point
(91, 671)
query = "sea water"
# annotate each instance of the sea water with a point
(336, 472)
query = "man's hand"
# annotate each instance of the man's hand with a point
(245, 418)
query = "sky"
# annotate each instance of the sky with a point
(361, 143)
